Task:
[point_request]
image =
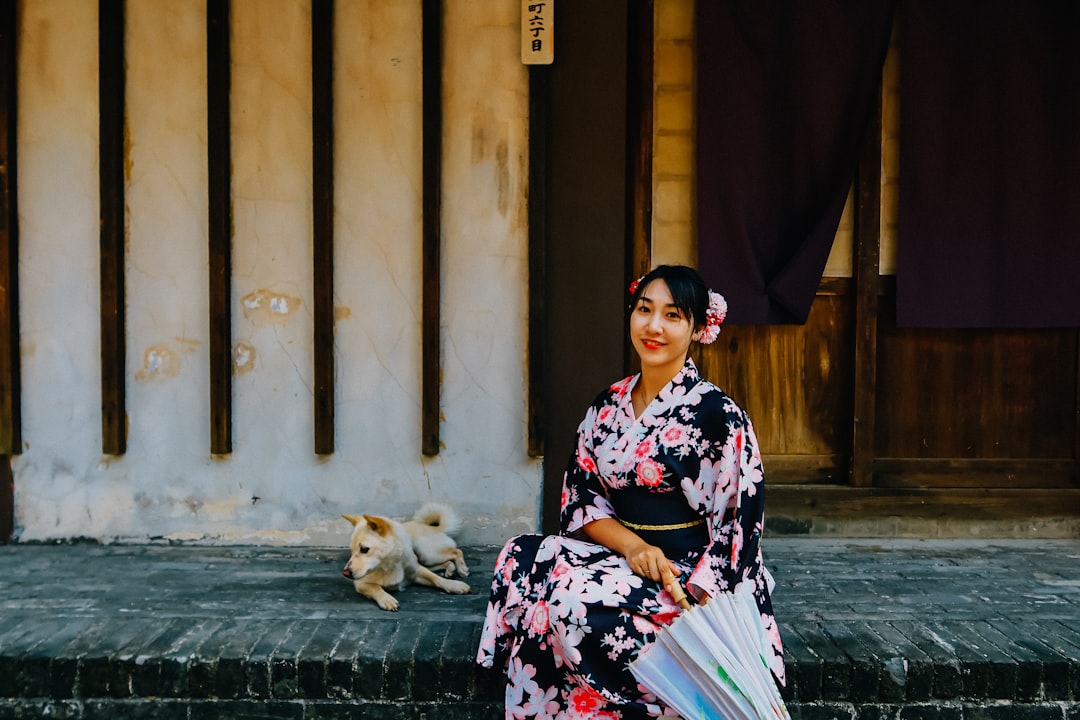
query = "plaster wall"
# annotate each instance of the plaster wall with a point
(272, 488)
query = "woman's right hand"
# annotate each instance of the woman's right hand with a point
(649, 561)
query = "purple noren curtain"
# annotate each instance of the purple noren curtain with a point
(989, 223)
(785, 91)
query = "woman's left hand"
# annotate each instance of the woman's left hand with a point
(644, 559)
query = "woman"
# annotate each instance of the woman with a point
(666, 477)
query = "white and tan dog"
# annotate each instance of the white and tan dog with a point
(383, 557)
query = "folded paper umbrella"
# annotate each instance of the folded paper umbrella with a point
(710, 664)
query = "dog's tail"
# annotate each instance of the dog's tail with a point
(439, 516)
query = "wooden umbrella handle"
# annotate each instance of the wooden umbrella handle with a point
(674, 587)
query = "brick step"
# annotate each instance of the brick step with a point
(321, 668)
(183, 632)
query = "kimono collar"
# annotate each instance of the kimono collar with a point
(688, 376)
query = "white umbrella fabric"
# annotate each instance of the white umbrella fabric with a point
(709, 664)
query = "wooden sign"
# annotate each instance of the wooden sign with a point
(537, 32)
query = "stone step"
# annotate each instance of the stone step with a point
(871, 629)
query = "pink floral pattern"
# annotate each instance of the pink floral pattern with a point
(566, 615)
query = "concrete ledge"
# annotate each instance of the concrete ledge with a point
(872, 630)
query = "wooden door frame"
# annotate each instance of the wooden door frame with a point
(10, 368)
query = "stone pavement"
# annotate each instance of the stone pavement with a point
(938, 629)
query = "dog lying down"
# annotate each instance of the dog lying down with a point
(387, 554)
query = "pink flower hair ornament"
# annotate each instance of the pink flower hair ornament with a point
(714, 318)
(714, 315)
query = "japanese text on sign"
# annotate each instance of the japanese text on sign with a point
(537, 32)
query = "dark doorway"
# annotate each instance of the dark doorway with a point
(586, 248)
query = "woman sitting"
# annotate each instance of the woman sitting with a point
(666, 481)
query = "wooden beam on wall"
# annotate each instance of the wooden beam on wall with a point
(867, 294)
(219, 159)
(539, 84)
(431, 361)
(974, 472)
(10, 366)
(807, 504)
(111, 181)
(322, 167)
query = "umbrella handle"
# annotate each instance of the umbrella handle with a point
(675, 587)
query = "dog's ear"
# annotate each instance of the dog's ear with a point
(378, 524)
(351, 518)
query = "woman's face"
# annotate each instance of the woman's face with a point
(659, 331)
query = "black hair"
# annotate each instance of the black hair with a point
(688, 290)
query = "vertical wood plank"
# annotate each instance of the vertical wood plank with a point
(539, 84)
(219, 153)
(431, 361)
(641, 51)
(10, 380)
(322, 166)
(867, 294)
(639, 136)
(10, 367)
(111, 181)
(795, 382)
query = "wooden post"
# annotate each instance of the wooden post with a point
(867, 294)
(219, 159)
(111, 181)
(539, 82)
(322, 166)
(10, 374)
(432, 225)
(639, 153)
(10, 366)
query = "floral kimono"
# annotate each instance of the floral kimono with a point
(566, 615)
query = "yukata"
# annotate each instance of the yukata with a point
(566, 615)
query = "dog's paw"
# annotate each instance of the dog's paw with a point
(387, 602)
(462, 570)
(456, 587)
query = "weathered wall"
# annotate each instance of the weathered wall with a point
(272, 488)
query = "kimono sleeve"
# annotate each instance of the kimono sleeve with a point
(732, 486)
(583, 496)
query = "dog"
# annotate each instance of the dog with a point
(382, 557)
